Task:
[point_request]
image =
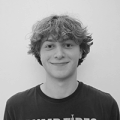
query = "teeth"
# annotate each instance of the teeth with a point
(59, 63)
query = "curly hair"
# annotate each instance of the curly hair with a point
(62, 26)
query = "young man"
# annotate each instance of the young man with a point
(60, 44)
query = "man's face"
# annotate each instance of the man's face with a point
(60, 59)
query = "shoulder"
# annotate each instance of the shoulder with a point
(100, 96)
(20, 97)
(105, 101)
(101, 101)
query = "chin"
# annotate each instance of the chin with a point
(62, 75)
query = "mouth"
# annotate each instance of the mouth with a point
(60, 64)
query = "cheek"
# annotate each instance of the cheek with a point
(76, 55)
(44, 58)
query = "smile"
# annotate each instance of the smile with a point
(60, 64)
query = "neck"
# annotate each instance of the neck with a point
(59, 88)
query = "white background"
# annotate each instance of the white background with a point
(19, 71)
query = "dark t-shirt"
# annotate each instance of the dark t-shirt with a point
(86, 103)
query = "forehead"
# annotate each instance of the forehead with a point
(61, 40)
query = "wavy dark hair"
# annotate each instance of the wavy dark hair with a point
(64, 27)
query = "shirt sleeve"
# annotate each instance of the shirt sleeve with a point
(9, 112)
(115, 113)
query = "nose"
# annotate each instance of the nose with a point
(59, 54)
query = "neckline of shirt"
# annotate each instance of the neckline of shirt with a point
(54, 100)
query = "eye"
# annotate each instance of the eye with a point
(49, 46)
(68, 45)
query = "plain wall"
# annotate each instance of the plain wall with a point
(20, 71)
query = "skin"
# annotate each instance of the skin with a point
(60, 60)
